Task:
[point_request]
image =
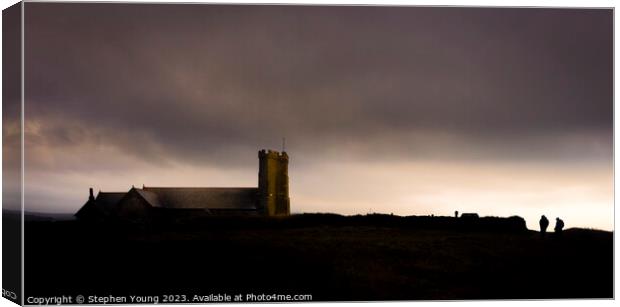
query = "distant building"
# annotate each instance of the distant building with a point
(469, 216)
(270, 198)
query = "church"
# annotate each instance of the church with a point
(270, 198)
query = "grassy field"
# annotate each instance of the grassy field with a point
(334, 258)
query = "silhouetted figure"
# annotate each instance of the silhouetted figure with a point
(544, 223)
(456, 214)
(559, 225)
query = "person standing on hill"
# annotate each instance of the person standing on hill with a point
(559, 225)
(544, 223)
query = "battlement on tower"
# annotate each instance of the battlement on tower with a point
(272, 154)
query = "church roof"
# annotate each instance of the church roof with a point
(201, 198)
(150, 197)
(104, 204)
(108, 200)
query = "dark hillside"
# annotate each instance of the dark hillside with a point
(376, 257)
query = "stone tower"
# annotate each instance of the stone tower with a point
(273, 198)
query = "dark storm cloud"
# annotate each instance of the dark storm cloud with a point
(205, 82)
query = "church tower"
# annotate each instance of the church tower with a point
(273, 198)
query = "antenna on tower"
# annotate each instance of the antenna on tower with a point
(283, 144)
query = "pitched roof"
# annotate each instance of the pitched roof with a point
(103, 204)
(88, 209)
(108, 200)
(205, 198)
(150, 197)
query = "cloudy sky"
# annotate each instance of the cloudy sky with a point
(402, 110)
